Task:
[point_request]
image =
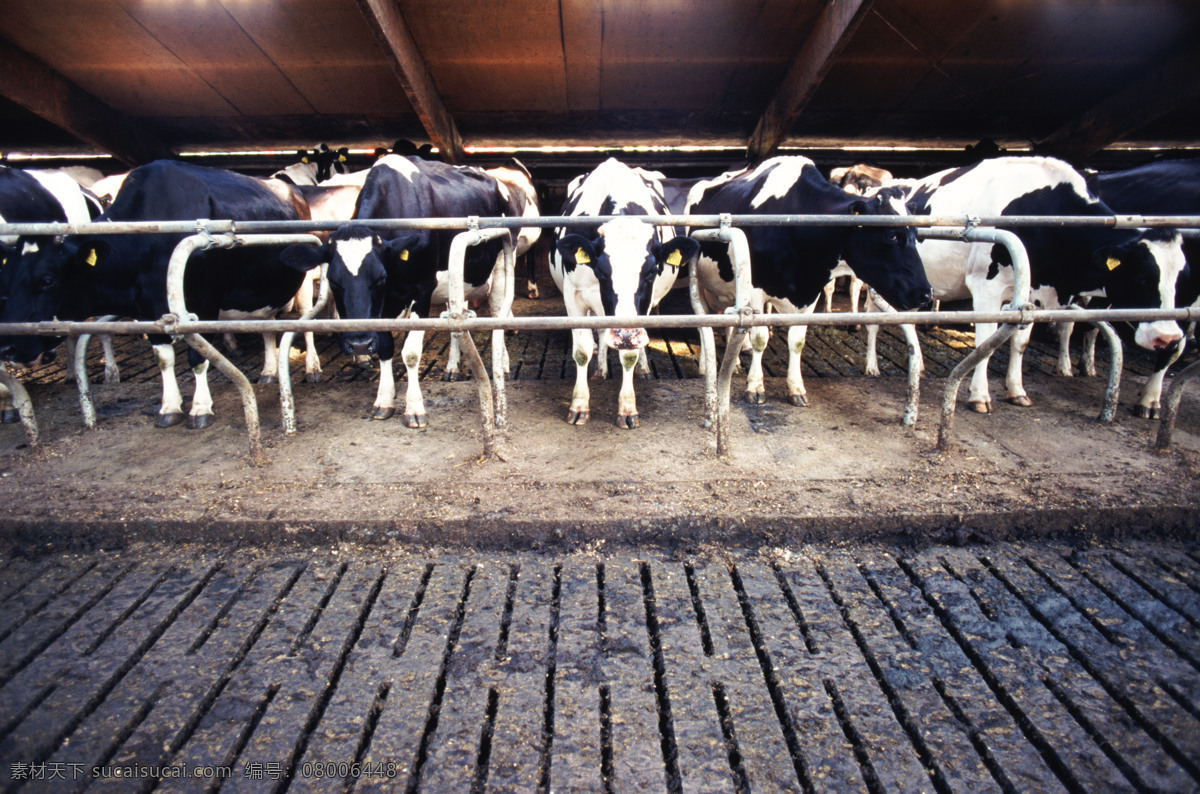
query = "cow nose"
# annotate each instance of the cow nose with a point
(626, 338)
(1163, 341)
(359, 345)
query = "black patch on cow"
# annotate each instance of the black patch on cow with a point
(1000, 257)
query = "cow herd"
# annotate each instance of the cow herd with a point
(621, 268)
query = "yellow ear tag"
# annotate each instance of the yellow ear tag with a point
(581, 257)
(304, 159)
(675, 259)
(1113, 263)
(341, 158)
(91, 258)
(404, 255)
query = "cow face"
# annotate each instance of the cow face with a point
(1143, 273)
(886, 257)
(359, 265)
(625, 261)
(36, 275)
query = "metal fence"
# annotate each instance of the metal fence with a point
(459, 321)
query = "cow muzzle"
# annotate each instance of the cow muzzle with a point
(626, 338)
(1157, 335)
(363, 345)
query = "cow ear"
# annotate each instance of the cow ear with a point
(578, 250)
(677, 252)
(860, 208)
(304, 257)
(402, 248)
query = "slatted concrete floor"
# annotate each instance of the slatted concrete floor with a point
(976, 668)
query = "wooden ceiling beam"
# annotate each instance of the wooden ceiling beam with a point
(387, 23)
(835, 25)
(44, 92)
(1169, 86)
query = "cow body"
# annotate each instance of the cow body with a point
(1138, 269)
(387, 274)
(125, 275)
(622, 268)
(1166, 187)
(790, 266)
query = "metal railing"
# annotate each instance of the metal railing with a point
(458, 321)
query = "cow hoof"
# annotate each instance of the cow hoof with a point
(980, 407)
(200, 421)
(169, 420)
(313, 377)
(450, 377)
(798, 399)
(1144, 412)
(414, 421)
(267, 380)
(383, 413)
(578, 417)
(756, 397)
(10, 416)
(628, 422)
(1023, 401)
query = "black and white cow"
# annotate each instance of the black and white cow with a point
(1165, 187)
(620, 269)
(1137, 269)
(315, 167)
(790, 265)
(43, 197)
(125, 274)
(385, 274)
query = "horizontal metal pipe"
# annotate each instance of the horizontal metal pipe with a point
(60, 328)
(700, 221)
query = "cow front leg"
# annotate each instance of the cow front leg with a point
(1014, 380)
(602, 357)
(270, 367)
(312, 359)
(1064, 368)
(201, 415)
(414, 403)
(583, 344)
(756, 392)
(627, 415)
(979, 398)
(1150, 402)
(171, 412)
(796, 336)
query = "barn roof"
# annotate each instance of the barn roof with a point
(141, 79)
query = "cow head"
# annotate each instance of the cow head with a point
(886, 256)
(39, 275)
(360, 264)
(626, 260)
(1142, 273)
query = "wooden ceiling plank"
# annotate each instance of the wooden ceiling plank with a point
(835, 26)
(387, 23)
(1166, 88)
(46, 93)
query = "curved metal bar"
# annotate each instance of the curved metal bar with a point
(1166, 426)
(287, 401)
(1021, 283)
(1112, 393)
(458, 310)
(912, 401)
(500, 362)
(22, 403)
(178, 307)
(81, 377)
(708, 346)
(739, 255)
